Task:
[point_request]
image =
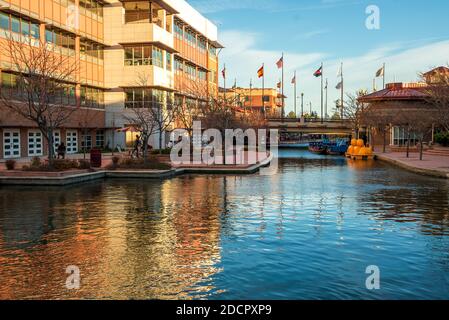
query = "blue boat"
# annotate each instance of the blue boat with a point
(338, 147)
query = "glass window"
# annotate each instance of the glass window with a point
(168, 60)
(35, 33)
(49, 36)
(4, 21)
(15, 25)
(99, 139)
(147, 55)
(157, 57)
(25, 28)
(138, 56)
(128, 56)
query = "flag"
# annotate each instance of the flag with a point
(294, 80)
(260, 72)
(235, 84)
(325, 87)
(280, 63)
(339, 85)
(224, 73)
(279, 85)
(380, 72)
(319, 72)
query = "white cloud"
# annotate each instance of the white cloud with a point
(403, 63)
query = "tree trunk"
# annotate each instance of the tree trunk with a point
(371, 139)
(145, 149)
(49, 135)
(408, 143)
(85, 144)
(421, 147)
(160, 141)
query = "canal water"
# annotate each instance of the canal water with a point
(309, 232)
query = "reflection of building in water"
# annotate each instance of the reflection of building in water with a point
(129, 239)
(164, 240)
(43, 237)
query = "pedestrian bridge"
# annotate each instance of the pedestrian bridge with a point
(311, 126)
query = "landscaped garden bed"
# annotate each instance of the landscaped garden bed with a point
(152, 163)
(39, 167)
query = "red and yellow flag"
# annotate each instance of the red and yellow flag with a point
(260, 72)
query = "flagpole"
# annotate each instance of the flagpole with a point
(283, 102)
(325, 108)
(384, 78)
(251, 95)
(263, 90)
(322, 76)
(224, 82)
(296, 98)
(302, 105)
(235, 92)
(342, 93)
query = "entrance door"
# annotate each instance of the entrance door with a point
(34, 143)
(72, 141)
(11, 144)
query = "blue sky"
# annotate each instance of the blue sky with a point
(413, 37)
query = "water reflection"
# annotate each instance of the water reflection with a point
(307, 232)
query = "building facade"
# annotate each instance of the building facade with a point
(397, 101)
(250, 99)
(131, 54)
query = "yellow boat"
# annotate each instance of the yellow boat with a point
(358, 151)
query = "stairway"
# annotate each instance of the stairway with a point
(438, 151)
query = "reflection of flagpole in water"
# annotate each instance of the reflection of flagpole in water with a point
(280, 231)
(225, 195)
(340, 210)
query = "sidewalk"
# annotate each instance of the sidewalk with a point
(431, 165)
(20, 162)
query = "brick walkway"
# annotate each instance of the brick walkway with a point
(431, 164)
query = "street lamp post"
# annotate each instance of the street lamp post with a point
(302, 105)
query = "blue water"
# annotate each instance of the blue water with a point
(308, 232)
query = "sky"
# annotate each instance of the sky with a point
(413, 37)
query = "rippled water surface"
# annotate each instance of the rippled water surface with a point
(308, 232)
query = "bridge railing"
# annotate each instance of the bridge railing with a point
(292, 120)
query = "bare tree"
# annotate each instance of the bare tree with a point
(152, 116)
(42, 80)
(164, 117)
(438, 96)
(420, 123)
(142, 119)
(378, 117)
(354, 109)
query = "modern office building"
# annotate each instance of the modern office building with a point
(130, 54)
